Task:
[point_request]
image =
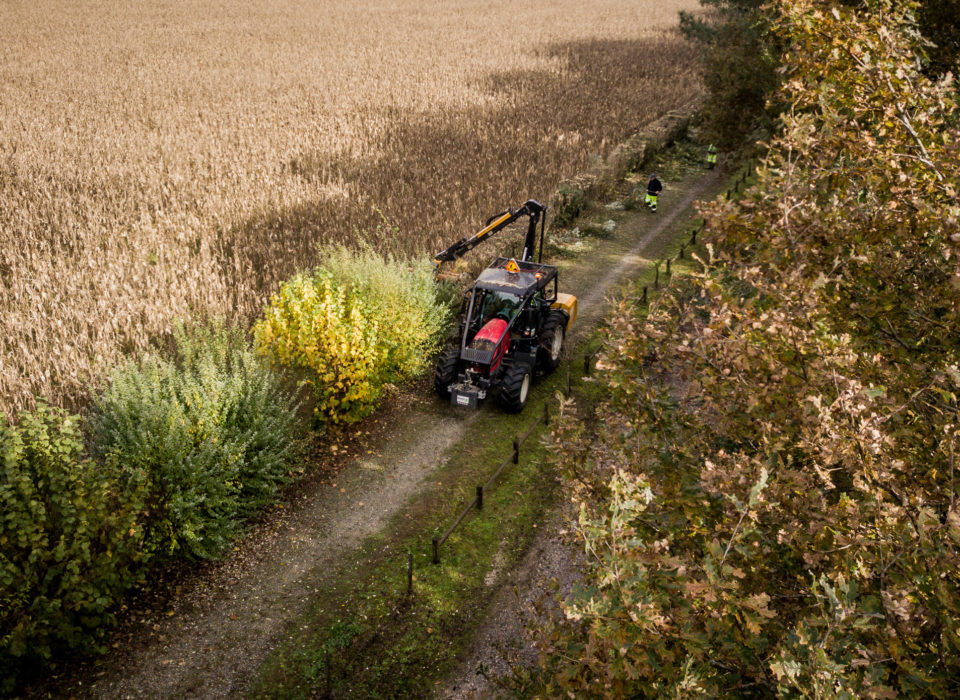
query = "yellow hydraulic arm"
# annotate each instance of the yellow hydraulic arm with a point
(531, 208)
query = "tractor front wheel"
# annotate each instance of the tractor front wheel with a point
(551, 341)
(446, 373)
(516, 387)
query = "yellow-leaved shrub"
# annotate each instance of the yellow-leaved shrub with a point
(358, 322)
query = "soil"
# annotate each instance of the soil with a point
(207, 631)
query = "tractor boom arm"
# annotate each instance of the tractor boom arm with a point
(531, 208)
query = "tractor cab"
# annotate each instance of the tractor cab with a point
(511, 292)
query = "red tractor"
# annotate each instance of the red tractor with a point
(512, 324)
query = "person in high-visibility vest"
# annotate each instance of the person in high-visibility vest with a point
(711, 156)
(654, 188)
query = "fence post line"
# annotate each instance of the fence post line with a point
(668, 266)
(438, 540)
(644, 294)
(682, 249)
(656, 276)
(586, 365)
(693, 238)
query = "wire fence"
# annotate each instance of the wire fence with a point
(513, 458)
(738, 185)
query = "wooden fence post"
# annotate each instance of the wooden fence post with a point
(436, 550)
(668, 266)
(644, 294)
(409, 573)
(656, 276)
(546, 413)
(516, 451)
(479, 497)
(329, 689)
(586, 365)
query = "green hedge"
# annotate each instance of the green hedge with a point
(183, 449)
(213, 429)
(71, 536)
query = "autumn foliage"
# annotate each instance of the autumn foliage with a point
(775, 511)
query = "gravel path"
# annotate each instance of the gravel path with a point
(212, 639)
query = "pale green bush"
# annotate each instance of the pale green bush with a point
(213, 430)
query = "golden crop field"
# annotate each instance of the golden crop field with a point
(172, 159)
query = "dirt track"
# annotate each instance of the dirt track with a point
(500, 640)
(216, 632)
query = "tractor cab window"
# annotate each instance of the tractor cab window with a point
(495, 304)
(550, 292)
(492, 314)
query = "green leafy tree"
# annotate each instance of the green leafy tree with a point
(71, 541)
(776, 513)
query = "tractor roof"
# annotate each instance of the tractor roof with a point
(528, 276)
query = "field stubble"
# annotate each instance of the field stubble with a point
(162, 161)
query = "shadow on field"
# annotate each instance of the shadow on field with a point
(437, 176)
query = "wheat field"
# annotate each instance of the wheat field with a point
(178, 159)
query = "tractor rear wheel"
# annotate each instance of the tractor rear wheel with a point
(552, 336)
(446, 373)
(516, 387)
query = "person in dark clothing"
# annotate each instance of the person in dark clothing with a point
(654, 188)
